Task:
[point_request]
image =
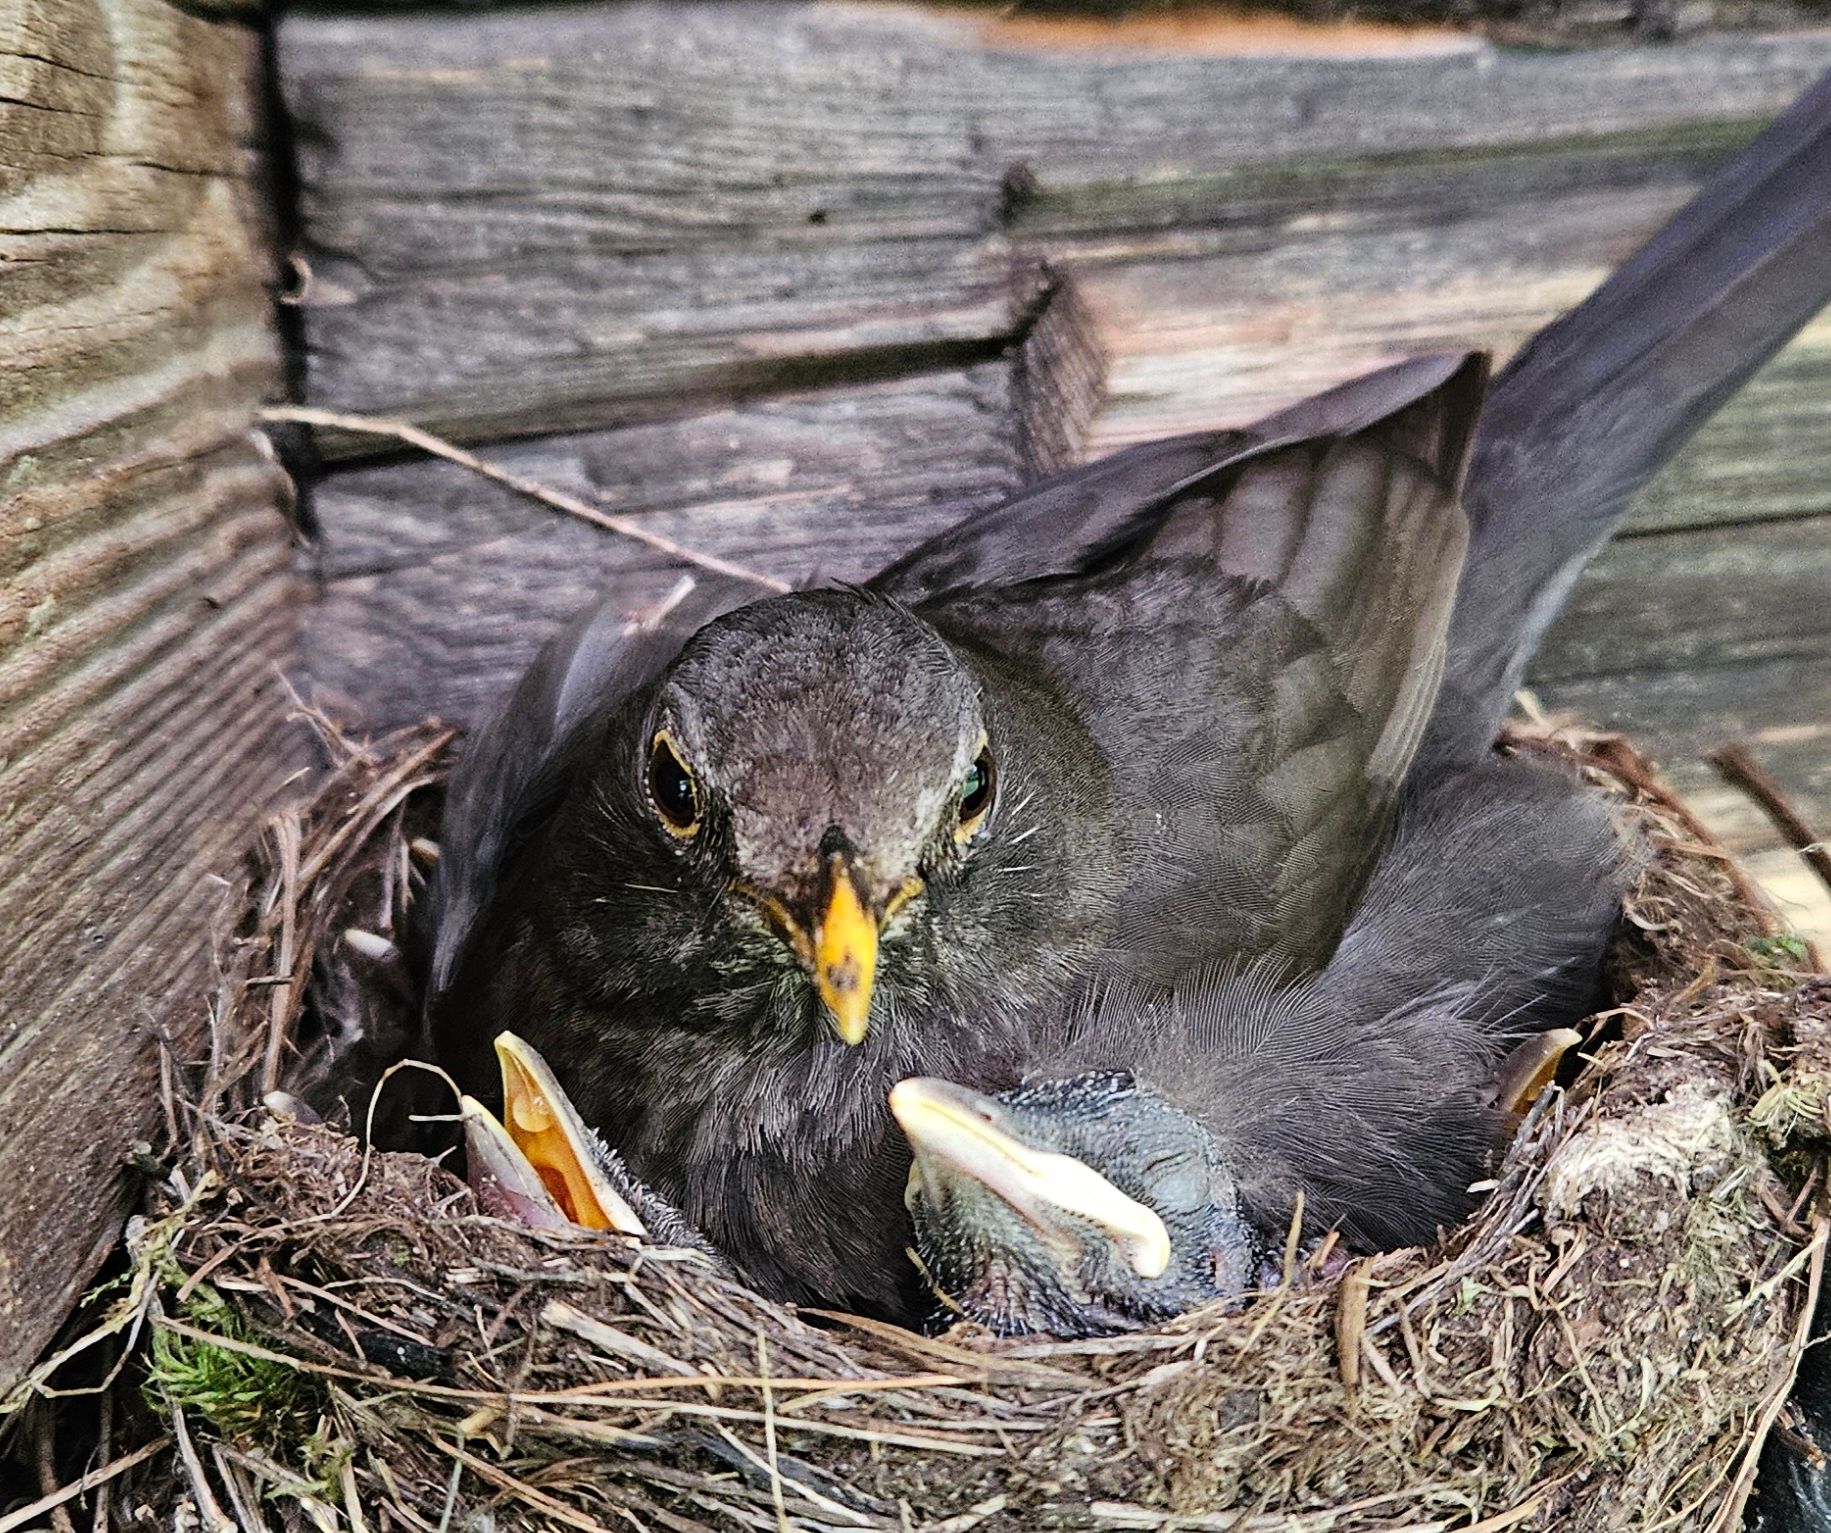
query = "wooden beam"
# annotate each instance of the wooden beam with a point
(146, 594)
(575, 217)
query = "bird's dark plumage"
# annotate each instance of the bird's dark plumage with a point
(1365, 1088)
(691, 855)
(1598, 401)
(1165, 726)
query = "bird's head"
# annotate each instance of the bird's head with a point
(807, 802)
(1074, 1207)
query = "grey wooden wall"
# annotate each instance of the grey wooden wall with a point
(795, 283)
(147, 594)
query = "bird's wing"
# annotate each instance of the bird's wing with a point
(1506, 877)
(1369, 1085)
(516, 765)
(1380, 1120)
(1080, 520)
(1255, 659)
(1598, 401)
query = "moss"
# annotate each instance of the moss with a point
(251, 1400)
(1784, 952)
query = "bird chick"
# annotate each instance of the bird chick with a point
(539, 1164)
(1020, 1232)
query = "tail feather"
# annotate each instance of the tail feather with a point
(1601, 399)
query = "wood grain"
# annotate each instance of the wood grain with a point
(572, 217)
(438, 586)
(145, 593)
(1222, 338)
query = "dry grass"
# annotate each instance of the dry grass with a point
(334, 1337)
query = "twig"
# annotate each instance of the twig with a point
(452, 1487)
(769, 1433)
(286, 845)
(104, 1450)
(1351, 1324)
(241, 1497)
(1616, 756)
(402, 777)
(46, 1434)
(559, 500)
(520, 1489)
(1292, 1239)
(90, 1481)
(209, 1509)
(532, 1401)
(352, 1501)
(1737, 767)
(1729, 1514)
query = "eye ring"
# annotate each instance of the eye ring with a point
(673, 791)
(977, 790)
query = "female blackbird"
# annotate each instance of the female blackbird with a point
(737, 873)
(736, 870)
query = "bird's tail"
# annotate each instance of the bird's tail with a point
(1598, 401)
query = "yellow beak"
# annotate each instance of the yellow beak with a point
(1531, 1067)
(505, 1184)
(845, 953)
(544, 1125)
(957, 1135)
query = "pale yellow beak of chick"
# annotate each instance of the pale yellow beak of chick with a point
(539, 1163)
(957, 1134)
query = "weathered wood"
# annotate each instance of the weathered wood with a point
(687, 209)
(439, 585)
(569, 218)
(145, 593)
(1242, 232)
(1224, 338)
(1697, 600)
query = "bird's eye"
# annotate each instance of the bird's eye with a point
(976, 793)
(671, 788)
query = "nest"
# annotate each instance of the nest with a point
(331, 1335)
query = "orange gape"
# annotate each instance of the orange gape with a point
(548, 1132)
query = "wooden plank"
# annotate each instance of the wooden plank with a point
(438, 585)
(146, 594)
(1696, 601)
(594, 341)
(569, 218)
(1226, 337)
(1780, 704)
(574, 218)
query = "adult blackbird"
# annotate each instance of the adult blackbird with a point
(736, 873)
(1161, 1153)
